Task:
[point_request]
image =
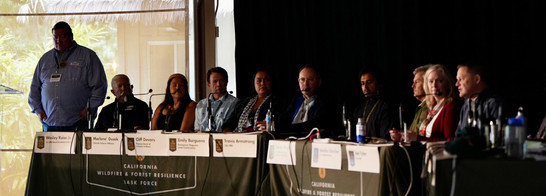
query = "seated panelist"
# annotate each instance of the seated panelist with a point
(442, 115)
(250, 113)
(310, 110)
(213, 111)
(375, 112)
(422, 109)
(177, 111)
(132, 111)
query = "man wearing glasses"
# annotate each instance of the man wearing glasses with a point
(68, 85)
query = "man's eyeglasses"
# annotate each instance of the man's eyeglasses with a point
(302, 80)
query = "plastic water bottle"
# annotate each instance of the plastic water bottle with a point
(359, 131)
(515, 133)
(268, 120)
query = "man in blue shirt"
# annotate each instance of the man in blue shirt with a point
(67, 81)
(219, 104)
(480, 104)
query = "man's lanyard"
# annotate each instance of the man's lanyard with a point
(63, 62)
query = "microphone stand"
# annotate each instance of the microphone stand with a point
(89, 118)
(347, 124)
(209, 114)
(118, 115)
(209, 109)
(150, 108)
(149, 91)
(116, 112)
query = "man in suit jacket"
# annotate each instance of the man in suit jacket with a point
(308, 111)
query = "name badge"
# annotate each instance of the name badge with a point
(55, 78)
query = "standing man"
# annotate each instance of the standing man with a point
(419, 94)
(219, 105)
(310, 110)
(67, 81)
(480, 103)
(132, 111)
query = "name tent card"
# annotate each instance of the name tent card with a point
(363, 158)
(234, 145)
(326, 156)
(281, 152)
(194, 144)
(145, 144)
(102, 143)
(55, 142)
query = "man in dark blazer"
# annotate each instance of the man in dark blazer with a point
(310, 110)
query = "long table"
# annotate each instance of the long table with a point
(82, 174)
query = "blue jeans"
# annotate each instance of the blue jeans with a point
(80, 125)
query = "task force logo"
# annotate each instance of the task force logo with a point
(41, 142)
(131, 143)
(219, 145)
(172, 144)
(88, 143)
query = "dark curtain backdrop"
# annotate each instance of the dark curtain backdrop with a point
(395, 36)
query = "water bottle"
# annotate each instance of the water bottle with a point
(360, 131)
(268, 120)
(514, 137)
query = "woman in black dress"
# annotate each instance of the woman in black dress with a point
(177, 111)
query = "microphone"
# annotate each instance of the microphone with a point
(149, 91)
(107, 97)
(176, 91)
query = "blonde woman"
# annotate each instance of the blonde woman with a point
(442, 116)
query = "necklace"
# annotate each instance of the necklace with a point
(371, 111)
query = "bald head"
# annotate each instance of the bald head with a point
(121, 87)
(309, 81)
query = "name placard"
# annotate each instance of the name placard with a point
(281, 152)
(102, 143)
(191, 144)
(145, 144)
(363, 158)
(55, 142)
(234, 145)
(326, 156)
